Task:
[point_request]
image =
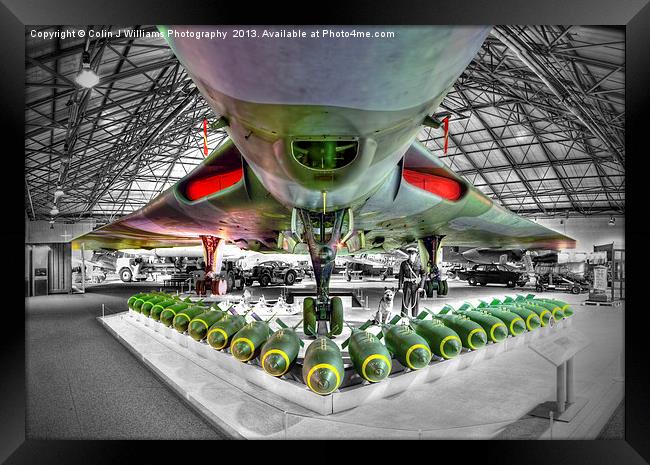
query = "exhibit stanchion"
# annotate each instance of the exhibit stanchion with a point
(102, 310)
(560, 378)
(566, 345)
(550, 419)
(570, 397)
(285, 420)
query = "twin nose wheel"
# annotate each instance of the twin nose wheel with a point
(315, 326)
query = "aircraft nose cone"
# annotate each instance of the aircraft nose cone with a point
(499, 333)
(451, 348)
(217, 340)
(241, 351)
(323, 381)
(376, 370)
(479, 339)
(274, 364)
(419, 358)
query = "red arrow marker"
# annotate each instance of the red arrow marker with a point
(446, 122)
(205, 137)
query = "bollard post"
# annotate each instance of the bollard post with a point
(550, 418)
(285, 420)
(560, 388)
(367, 303)
(102, 310)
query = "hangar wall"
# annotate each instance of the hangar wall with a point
(589, 231)
(48, 252)
(42, 232)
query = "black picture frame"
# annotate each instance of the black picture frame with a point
(634, 15)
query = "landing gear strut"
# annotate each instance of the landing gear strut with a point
(433, 281)
(322, 311)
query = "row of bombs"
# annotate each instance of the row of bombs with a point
(413, 344)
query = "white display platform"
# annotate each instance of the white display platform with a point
(169, 353)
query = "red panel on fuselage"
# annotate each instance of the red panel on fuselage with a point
(446, 188)
(208, 185)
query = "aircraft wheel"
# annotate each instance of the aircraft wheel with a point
(482, 283)
(575, 290)
(428, 289)
(248, 282)
(309, 316)
(336, 320)
(445, 287)
(471, 281)
(265, 280)
(510, 284)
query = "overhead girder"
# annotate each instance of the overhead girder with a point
(113, 172)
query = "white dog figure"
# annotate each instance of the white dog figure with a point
(385, 306)
(246, 297)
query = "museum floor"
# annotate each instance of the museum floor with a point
(82, 383)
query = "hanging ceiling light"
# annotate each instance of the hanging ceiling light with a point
(58, 193)
(54, 211)
(87, 77)
(612, 221)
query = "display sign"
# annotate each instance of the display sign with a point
(600, 278)
(561, 347)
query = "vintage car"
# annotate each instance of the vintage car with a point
(493, 274)
(273, 272)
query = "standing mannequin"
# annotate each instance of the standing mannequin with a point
(410, 278)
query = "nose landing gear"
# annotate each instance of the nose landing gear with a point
(323, 315)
